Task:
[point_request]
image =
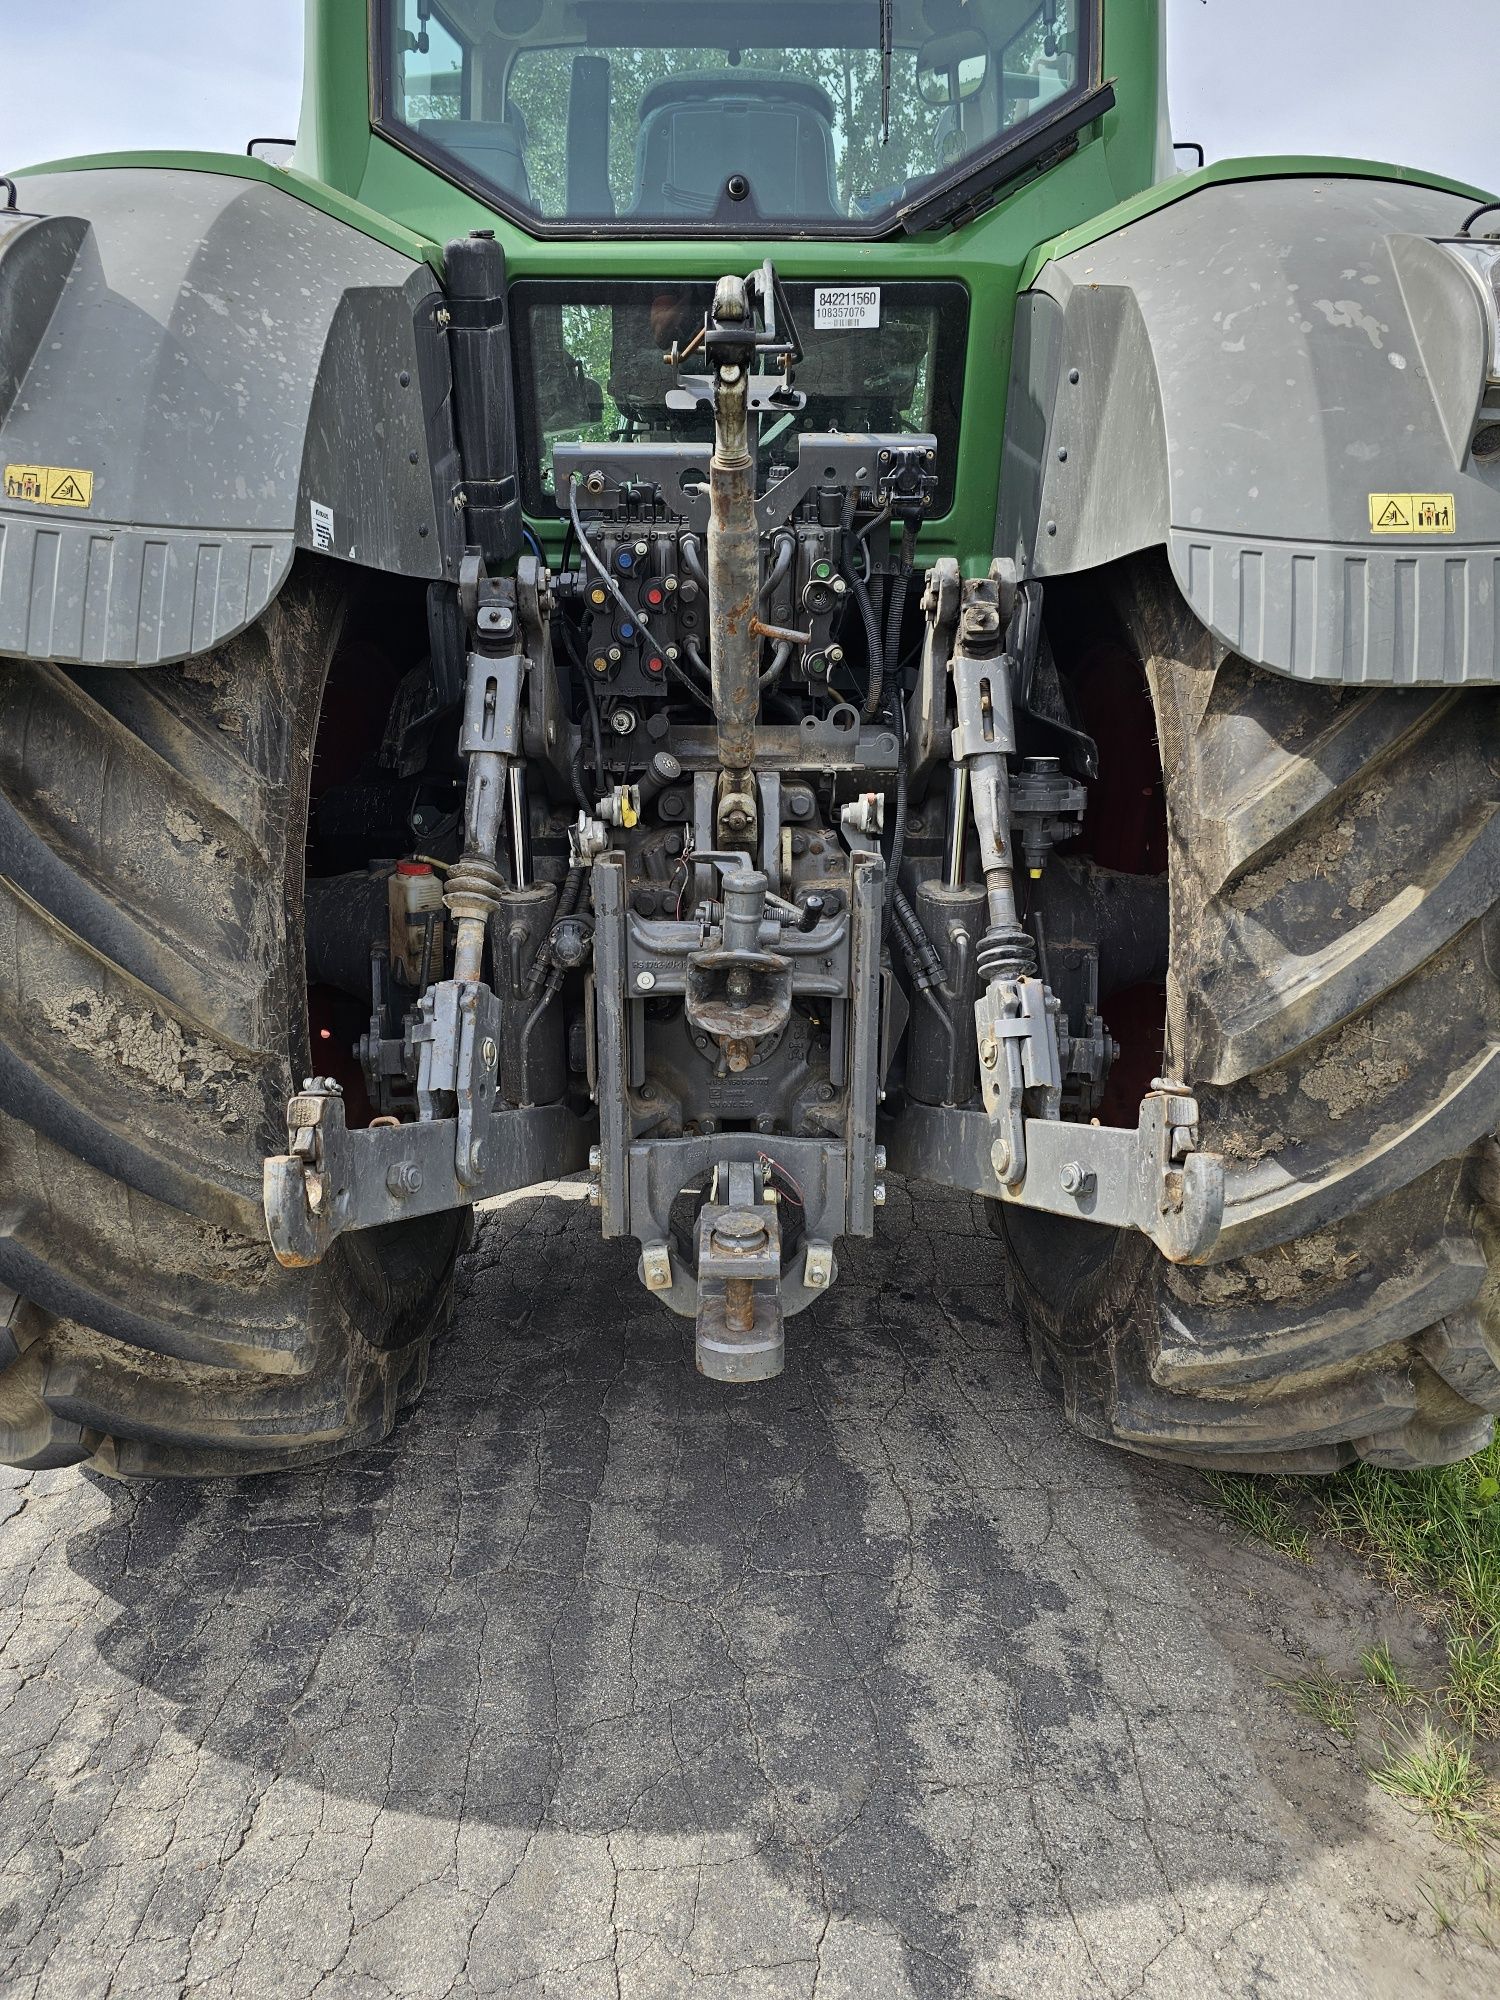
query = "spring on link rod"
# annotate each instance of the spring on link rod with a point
(1006, 951)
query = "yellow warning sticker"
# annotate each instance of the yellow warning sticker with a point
(50, 485)
(1413, 514)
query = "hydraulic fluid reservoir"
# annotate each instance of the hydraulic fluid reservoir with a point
(416, 911)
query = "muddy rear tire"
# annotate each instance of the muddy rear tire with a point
(153, 1020)
(1333, 998)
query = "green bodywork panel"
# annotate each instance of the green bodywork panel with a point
(1110, 179)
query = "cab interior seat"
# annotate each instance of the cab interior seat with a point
(695, 131)
(493, 148)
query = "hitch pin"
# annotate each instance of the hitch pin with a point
(786, 633)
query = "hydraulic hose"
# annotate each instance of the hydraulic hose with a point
(777, 667)
(692, 561)
(567, 903)
(872, 644)
(786, 548)
(693, 654)
(593, 707)
(631, 611)
(678, 673)
(895, 612)
(898, 839)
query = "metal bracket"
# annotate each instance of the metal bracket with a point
(1152, 1179)
(492, 700)
(1017, 1024)
(457, 1039)
(927, 708)
(331, 1179)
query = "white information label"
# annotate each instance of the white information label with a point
(846, 305)
(322, 524)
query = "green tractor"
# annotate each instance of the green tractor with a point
(732, 596)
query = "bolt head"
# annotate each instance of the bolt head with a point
(877, 1194)
(989, 1053)
(645, 981)
(489, 1054)
(596, 1159)
(1000, 1157)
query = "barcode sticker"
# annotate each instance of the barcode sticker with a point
(837, 306)
(322, 524)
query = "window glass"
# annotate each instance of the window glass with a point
(431, 66)
(621, 113)
(589, 366)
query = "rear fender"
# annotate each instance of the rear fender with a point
(1235, 377)
(200, 375)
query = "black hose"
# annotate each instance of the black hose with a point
(898, 836)
(678, 673)
(777, 667)
(909, 922)
(895, 612)
(523, 1041)
(872, 645)
(575, 773)
(566, 904)
(692, 562)
(862, 539)
(593, 705)
(786, 548)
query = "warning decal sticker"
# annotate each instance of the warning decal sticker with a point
(50, 485)
(1413, 514)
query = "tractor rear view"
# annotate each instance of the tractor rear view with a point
(739, 598)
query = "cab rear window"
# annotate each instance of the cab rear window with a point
(877, 357)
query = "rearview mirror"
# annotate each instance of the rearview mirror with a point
(952, 67)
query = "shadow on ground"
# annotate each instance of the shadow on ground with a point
(601, 1679)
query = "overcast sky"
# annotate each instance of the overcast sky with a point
(1407, 80)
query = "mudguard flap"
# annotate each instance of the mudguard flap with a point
(198, 375)
(1281, 382)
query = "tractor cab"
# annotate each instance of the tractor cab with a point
(662, 117)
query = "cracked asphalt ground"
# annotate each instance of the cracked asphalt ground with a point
(601, 1680)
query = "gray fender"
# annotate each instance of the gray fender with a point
(1232, 377)
(239, 375)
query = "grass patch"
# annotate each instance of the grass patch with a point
(1435, 1532)
(1324, 1697)
(1433, 1535)
(1438, 1776)
(1259, 1508)
(1386, 1678)
(1472, 1690)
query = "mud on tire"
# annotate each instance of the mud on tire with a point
(1333, 997)
(152, 1002)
